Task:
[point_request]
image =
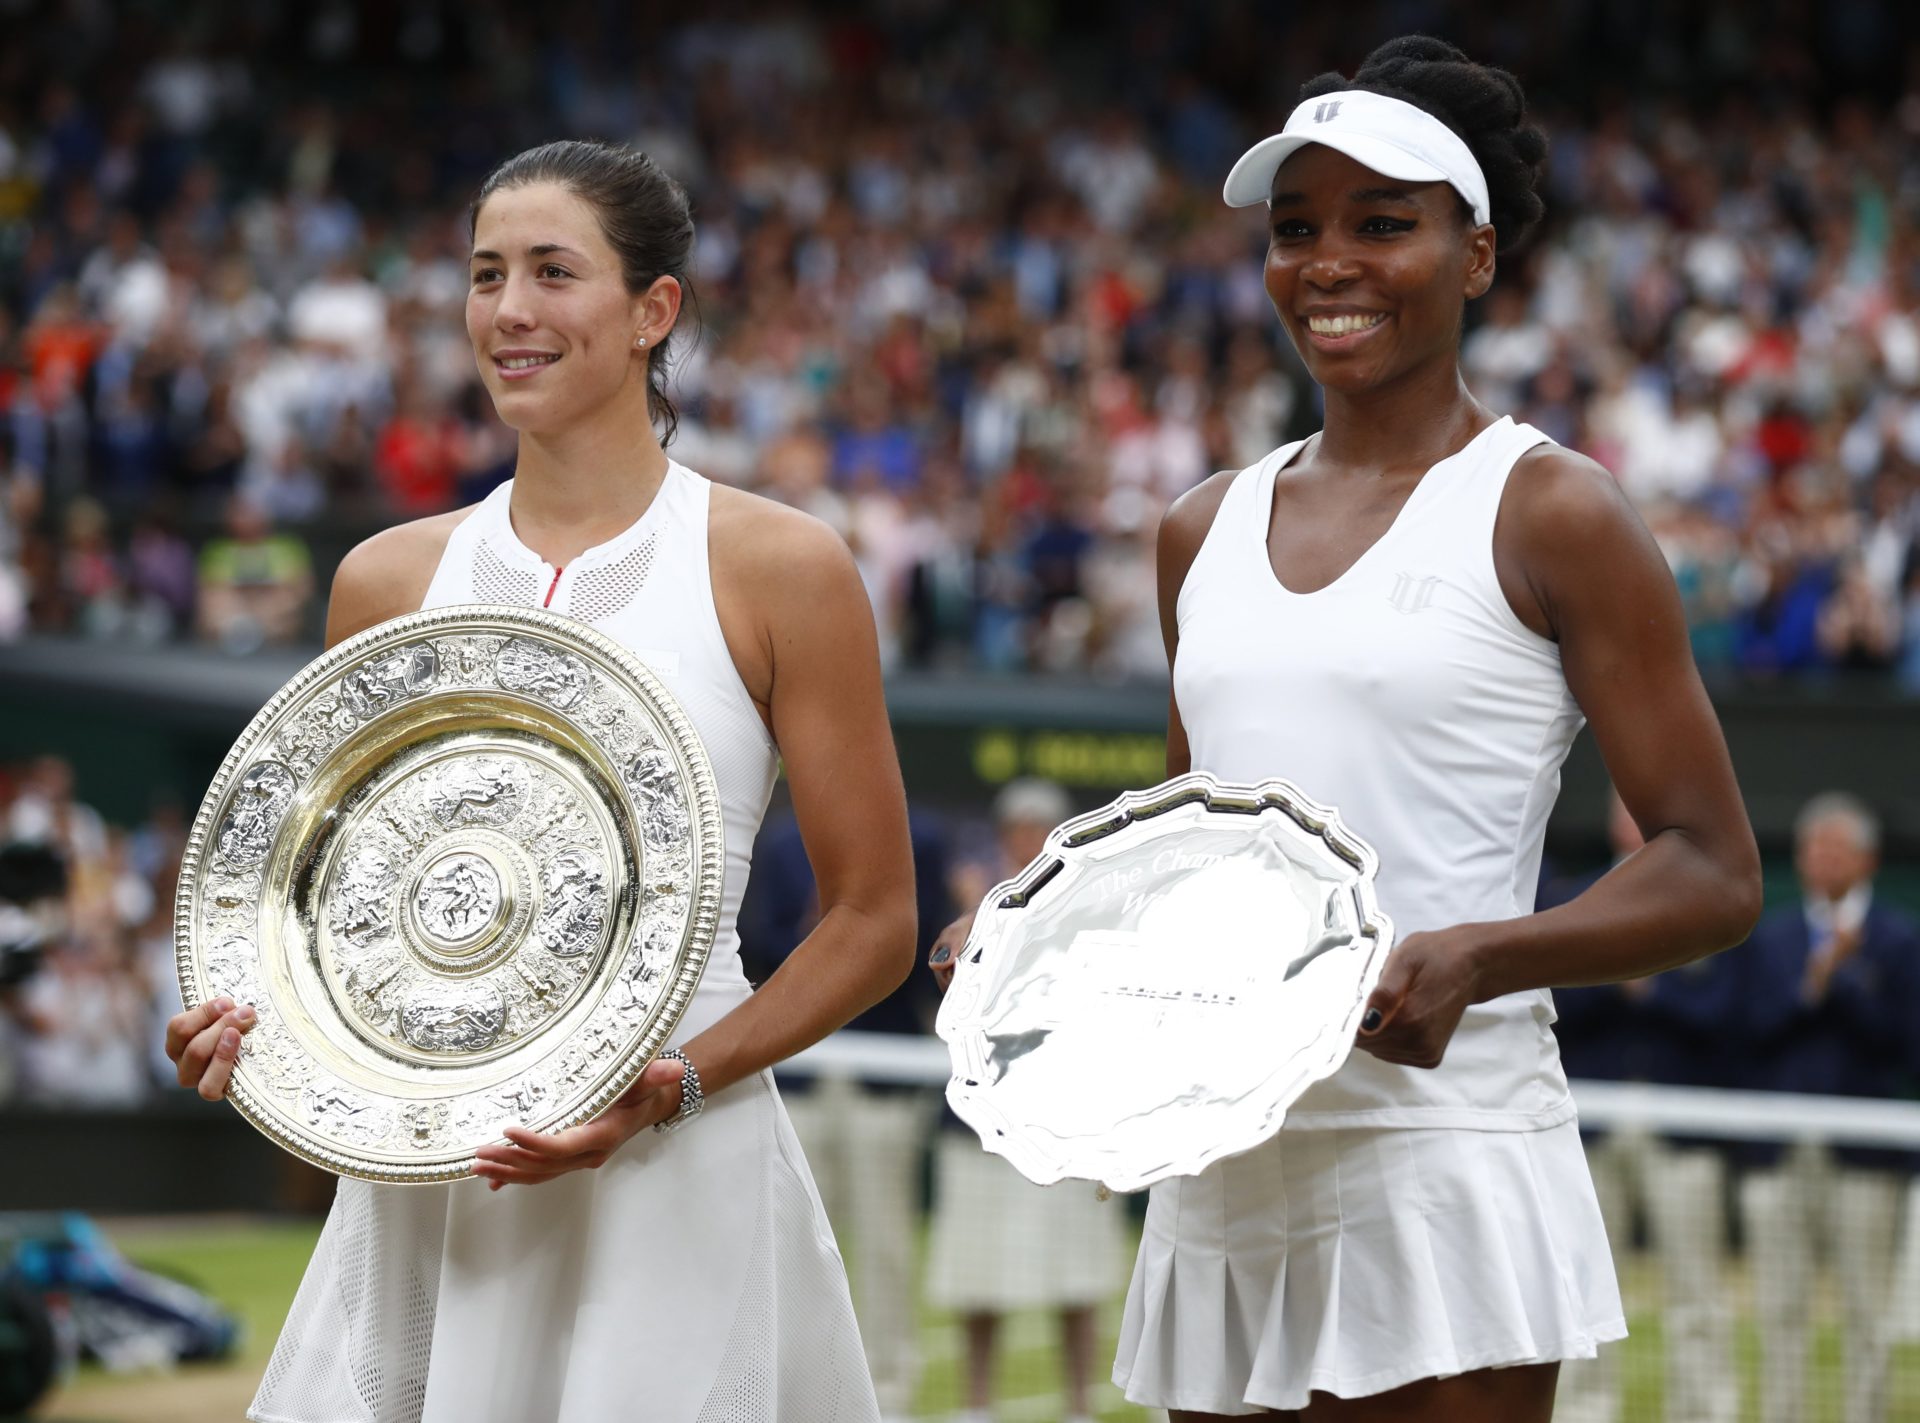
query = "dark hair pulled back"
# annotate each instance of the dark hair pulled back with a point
(1482, 103)
(644, 214)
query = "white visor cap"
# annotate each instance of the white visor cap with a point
(1394, 138)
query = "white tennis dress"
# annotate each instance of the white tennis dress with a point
(1404, 1224)
(691, 1279)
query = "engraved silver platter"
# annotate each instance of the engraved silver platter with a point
(466, 867)
(1163, 982)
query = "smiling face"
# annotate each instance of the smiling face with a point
(1369, 274)
(553, 326)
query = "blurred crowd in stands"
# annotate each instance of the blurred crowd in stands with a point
(966, 290)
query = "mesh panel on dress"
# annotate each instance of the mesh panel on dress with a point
(803, 1364)
(494, 581)
(602, 592)
(744, 1388)
(356, 1342)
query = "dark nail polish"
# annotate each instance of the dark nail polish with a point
(1370, 1023)
(942, 954)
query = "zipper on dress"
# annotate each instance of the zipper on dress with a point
(547, 602)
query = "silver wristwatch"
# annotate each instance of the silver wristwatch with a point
(692, 1099)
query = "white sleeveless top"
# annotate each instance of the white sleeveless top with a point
(650, 590)
(1409, 696)
(444, 1304)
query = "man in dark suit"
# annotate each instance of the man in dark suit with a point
(1825, 988)
(1672, 1028)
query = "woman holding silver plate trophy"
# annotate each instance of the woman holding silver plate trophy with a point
(498, 854)
(1410, 613)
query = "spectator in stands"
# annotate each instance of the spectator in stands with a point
(255, 584)
(78, 1018)
(33, 889)
(418, 454)
(1778, 630)
(44, 811)
(92, 585)
(1859, 626)
(1001, 1243)
(1674, 1028)
(874, 445)
(86, 1014)
(86, 943)
(160, 577)
(865, 1141)
(1827, 999)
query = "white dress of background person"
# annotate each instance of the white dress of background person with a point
(999, 1242)
(1903, 1311)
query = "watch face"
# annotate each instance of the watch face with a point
(1162, 983)
(466, 867)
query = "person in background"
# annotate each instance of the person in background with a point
(1825, 985)
(255, 584)
(85, 1016)
(91, 577)
(866, 1141)
(33, 918)
(160, 577)
(1671, 1028)
(81, 1012)
(45, 811)
(1001, 1243)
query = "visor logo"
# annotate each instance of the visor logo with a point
(1323, 112)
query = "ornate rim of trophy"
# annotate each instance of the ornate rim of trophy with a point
(1220, 912)
(467, 868)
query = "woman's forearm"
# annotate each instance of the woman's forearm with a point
(853, 958)
(1671, 902)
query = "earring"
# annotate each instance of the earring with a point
(639, 341)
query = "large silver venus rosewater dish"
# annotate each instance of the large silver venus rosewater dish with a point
(466, 867)
(1163, 982)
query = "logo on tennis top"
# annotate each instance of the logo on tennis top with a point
(1323, 112)
(1412, 594)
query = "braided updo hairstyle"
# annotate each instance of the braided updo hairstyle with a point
(1482, 103)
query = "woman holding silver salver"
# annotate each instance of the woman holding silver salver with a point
(609, 1271)
(1411, 614)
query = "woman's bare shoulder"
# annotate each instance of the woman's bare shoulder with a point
(388, 574)
(760, 538)
(781, 578)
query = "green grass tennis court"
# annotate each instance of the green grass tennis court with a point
(253, 1266)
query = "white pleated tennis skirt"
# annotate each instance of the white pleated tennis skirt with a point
(1352, 1262)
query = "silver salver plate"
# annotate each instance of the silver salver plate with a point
(1163, 982)
(466, 866)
